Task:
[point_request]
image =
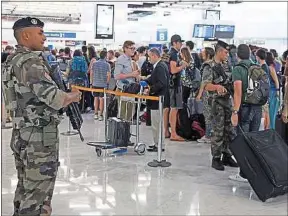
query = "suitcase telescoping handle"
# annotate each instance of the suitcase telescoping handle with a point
(243, 133)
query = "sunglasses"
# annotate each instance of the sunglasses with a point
(131, 48)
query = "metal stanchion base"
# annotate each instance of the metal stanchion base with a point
(98, 143)
(70, 133)
(162, 163)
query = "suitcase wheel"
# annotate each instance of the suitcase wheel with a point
(140, 149)
(98, 152)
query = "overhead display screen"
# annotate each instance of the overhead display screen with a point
(203, 31)
(104, 21)
(224, 31)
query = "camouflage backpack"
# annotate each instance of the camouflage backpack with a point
(9, 79)
(257, 92)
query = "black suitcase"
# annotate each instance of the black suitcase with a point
(262, 157)
(281, 128)
(118, 132)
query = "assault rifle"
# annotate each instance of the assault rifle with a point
(223, 79)
(72, 110)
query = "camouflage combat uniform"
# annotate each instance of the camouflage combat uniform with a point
(34, 141)
(207, 105)
(222, 129)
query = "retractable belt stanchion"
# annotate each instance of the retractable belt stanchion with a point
(98, 143)
(105, 115)
(139, 148)
(159, 162)
(69, 132)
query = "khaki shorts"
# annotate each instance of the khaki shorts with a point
(265, 108)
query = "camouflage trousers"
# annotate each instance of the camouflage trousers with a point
(207, 109)
(36, 153)
(222, 130)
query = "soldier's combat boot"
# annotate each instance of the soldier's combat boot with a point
(217, 164)
(227, 160)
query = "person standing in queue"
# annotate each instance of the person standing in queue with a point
(35, 139)
(125, 75)
(159, 86)
(175, 85)
(215, 78)
(248, 116)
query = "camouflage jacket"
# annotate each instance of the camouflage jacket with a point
(37, 96)
(211, 76)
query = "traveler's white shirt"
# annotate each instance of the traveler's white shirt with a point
(154, 66)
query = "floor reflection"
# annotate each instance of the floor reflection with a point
(125, 185)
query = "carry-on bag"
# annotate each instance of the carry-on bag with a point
(118, 133)
(263, 158)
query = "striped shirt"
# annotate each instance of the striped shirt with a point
(100, 69)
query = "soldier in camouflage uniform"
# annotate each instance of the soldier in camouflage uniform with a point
(222, 130)
(36, 103)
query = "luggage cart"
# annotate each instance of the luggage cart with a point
(107, 146)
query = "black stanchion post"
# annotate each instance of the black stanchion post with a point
(159, 162)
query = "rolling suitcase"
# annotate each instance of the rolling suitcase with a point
(262, 157)
(118, 132)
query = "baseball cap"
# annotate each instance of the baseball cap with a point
(176, 38)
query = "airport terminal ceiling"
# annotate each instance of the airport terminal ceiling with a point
(79, 17)
(73, 9)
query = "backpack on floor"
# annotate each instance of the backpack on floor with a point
(257, 92)
(183, 125)
(198, 126)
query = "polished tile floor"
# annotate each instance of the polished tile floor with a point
(125, 185)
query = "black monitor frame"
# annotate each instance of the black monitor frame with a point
(104, 36)
(224, 35)
(203, 25)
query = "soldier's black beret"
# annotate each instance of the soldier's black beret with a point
(223, 45)
(27, 22)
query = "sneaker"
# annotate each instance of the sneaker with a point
(96, 117)
(88, 109)
(204, 139)
(238, 178)
(100, 118)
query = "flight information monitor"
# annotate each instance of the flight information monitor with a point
(105, 21)
(224, 31)
(203, 31)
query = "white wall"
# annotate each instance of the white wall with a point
(257, 19)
